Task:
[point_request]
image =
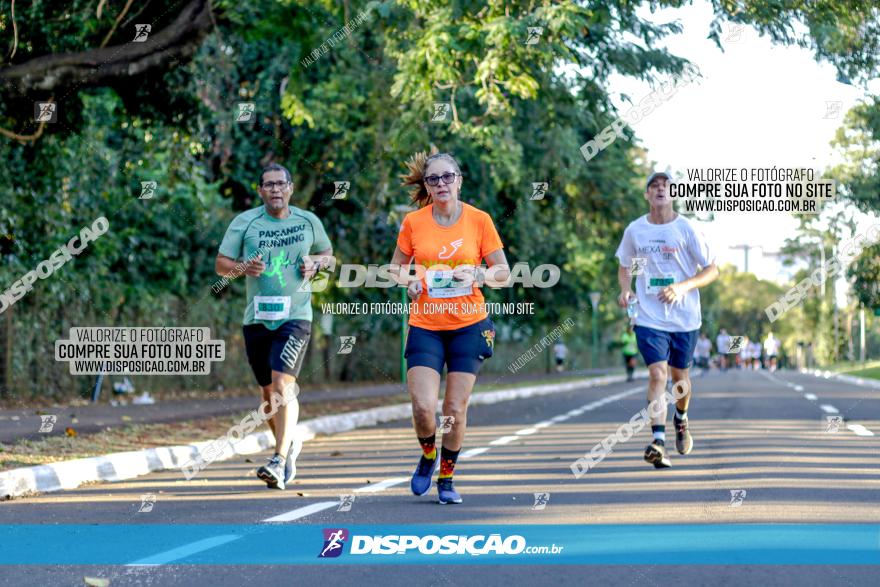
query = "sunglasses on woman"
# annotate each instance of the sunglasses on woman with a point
(434, 180)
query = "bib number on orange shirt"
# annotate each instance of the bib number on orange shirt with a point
(442, 285)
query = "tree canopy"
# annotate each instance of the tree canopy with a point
(341, 92)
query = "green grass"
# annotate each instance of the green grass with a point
(870, 372)
(870, 369)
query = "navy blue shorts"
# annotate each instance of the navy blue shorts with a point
(676, 348)
(282, 349)
(462, 350)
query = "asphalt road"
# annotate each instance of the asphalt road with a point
(766, 435)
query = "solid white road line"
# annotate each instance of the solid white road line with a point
(525, 431)
(184, 551)
(828, 409)
(303, 511)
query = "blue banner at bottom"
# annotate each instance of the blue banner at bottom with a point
(729, 544)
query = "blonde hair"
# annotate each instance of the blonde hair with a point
(417, 165)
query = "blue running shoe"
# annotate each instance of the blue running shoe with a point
(421, 479)
(447, 492)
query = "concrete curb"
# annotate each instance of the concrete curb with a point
(127, 465)
(873, 383)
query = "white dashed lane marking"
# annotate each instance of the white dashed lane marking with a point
(381, 485)
(859, 430)
(303, 511)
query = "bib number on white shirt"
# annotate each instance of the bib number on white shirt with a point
(656, 283)
(271, 307)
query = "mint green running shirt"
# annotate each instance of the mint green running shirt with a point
(273, 297)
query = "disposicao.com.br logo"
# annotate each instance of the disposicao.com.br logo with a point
(431, 544)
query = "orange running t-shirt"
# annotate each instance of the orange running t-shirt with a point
(442, 305)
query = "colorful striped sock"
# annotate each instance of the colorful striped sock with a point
(447, 462)
(428, 446)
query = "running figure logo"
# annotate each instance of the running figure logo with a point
(534, 35)
(539, 188)
(345, 503)
(737, 496)
(245, 112)
(638, 265)
(832, 108)
(446, 423)
(735, 345)
(734, 33)
(832, 424)
(148, 188)
(279, 262)
(48, 422)
(141, 32)
(45, 111)
(334, 539)
(346, 345)
(541, 500)
(441, 111)
(148, 500)
(341, 189)
(455, 246)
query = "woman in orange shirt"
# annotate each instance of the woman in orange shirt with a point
(447, 240)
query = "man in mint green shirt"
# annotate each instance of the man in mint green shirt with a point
(279, 248)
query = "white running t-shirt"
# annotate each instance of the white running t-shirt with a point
(675, 251)
(703, 348)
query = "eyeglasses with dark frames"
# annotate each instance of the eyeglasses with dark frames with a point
(434, 180)
(270, 185)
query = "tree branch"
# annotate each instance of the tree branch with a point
(98, 67)
(116, 23)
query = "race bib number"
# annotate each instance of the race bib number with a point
(441, 285)
(656, 283)
(271, 307)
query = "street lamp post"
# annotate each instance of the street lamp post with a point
(594, 300)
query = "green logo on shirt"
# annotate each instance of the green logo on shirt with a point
(278, 264)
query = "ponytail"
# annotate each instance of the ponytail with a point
(417, 165)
